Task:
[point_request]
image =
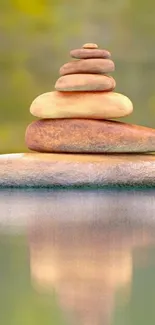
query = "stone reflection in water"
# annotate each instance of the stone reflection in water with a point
(82, 245)
(85, 258)
(83, 267)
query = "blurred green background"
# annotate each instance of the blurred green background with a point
(36, 37)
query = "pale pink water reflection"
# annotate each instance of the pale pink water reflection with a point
(82, 246)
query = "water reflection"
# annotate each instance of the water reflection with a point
(84, 246)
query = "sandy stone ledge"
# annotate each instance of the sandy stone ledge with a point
(48, 170)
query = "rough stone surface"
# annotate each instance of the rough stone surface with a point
(90, 53)
(94, 105)
(89, 136)
(85, 82)
(98, 66)
(47, 170)
(90, 46)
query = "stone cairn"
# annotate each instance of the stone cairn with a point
(76, 117)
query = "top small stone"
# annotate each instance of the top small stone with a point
(90, 46)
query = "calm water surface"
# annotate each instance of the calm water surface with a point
(77, 257)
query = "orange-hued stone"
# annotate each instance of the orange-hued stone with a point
(99, 66)
(47, 170)
(85, 82)
(94, 105)
(90, 46)
(90, 53)
(89, 136)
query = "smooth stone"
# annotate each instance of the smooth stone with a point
(90, 46)
(85, 82)
(90, 54)
(48, 170)
(99, 66)
(89, 136)
(94, 105)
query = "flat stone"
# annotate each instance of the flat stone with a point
(48, 170)
(85, 82)
(99, 66)
(94, 105)
(89, 136)
(90, 54)
(90, 46)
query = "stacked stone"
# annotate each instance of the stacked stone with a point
(75, 118)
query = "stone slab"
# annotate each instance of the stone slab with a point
(49, 170)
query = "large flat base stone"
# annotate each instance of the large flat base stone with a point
(48, 170)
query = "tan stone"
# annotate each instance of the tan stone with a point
(95, 105)
(98, 66)
(85, 82)
(90, 53)
(90, 46)
(89, 136)
(47, 170)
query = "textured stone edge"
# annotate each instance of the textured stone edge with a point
(65, 170)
